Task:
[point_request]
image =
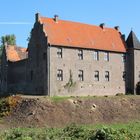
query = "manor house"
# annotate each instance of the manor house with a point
(66, 58)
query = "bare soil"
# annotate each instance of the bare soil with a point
(43, 111)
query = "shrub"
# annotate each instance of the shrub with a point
(76, 132)
(7, 104)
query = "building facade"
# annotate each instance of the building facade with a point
(73, 59)
(13, 70)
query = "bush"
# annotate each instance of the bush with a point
(74, 132)
(71, 132)
(7, 104)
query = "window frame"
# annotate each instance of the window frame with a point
(96, 55)
(59, 75)
(107, 76)
(59, 53)
(106, 56)
(139, 75)
(123, 57)
(80, 54)
(96, 75)
(80, 75)
(124, 75)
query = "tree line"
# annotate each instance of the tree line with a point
(7, 39)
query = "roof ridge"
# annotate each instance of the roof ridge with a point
(76, 34)
(88, 24)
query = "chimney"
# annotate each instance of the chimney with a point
(37, 17)
(123, 37)
(56, 18)
(102, 25)
(117, 28)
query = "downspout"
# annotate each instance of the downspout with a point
(134, 84)
(48, 59)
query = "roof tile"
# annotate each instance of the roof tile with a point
(15, 53)
(73, 34)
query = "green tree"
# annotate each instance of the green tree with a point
(9, 39)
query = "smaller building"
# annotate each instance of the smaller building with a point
(13, 69)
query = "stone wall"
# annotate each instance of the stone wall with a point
(130, 71)
(136, 68)
(3, 73)
(70, 62)
(17, 76)
(37, 66)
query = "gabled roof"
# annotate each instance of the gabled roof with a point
(132, 41)
(14, 53)
(79, 35)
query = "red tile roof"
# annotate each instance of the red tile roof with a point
(73, 34)
(15, 53)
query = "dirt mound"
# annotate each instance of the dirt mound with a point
(46, 112)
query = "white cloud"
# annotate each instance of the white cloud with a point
(16, 23)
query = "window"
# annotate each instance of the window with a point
(80, 54)
(96, 55)
(106, 75)
(31, 74)
(59, 75)
(124, 76)
(44, 56)
(123, 57)
(81, 75)
(96, 75)
(106, 56)
(59, 52)
(139, 76)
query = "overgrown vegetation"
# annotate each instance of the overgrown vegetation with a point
(7, 104)
(75, 132)
(70, 83)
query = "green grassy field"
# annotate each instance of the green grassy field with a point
(59, 98)
(129, 131)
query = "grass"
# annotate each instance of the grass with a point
(121, 131)
(134, 126)
(60, 98)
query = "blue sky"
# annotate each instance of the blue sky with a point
(18, 16)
